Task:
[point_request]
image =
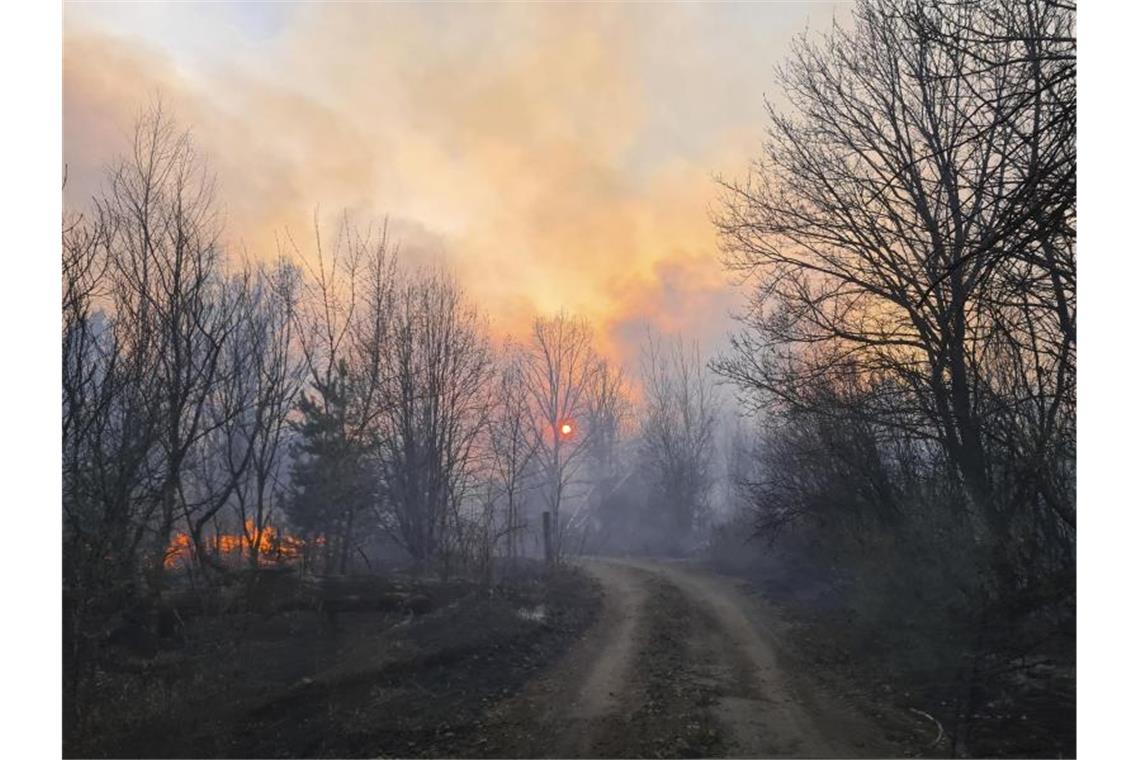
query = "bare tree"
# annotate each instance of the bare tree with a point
(235, 467)
(218, 463)
(165, 266)
(108, 428)
(607, 418)
(277, 374)
(512, 443)
(608, 412)
(677, 435)
(434, 390)
(909, 241)
(144, 331)
(909, 222)
(329, 297)
(560, 369)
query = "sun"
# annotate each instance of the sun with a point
(567, 428)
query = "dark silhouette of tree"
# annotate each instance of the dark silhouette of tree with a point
(908, 241)
(434, 402)
(512, 445)
(560, 369)
(677, 438)
(168, 286)
(331, 485)
(909, 230)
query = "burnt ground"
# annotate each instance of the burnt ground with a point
(615, 658)
(299, 684)
(1030, 714)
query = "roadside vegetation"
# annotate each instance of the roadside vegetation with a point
(255, 452)
(313, 504)
(910, 347)
(358, 664)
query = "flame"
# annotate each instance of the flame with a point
(273, 547)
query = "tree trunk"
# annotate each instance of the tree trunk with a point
(547, 542)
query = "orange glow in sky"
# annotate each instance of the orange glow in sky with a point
(554, 156)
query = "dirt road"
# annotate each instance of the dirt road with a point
(682, 662)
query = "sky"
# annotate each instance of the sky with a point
(554, 156)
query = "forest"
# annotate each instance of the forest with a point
(271, 459)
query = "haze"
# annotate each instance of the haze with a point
(556, 156)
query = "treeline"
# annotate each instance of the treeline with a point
(332, 396)
(909, 237)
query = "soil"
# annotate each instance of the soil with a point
(614, 658)
(682, 663)
(1030, 714)
(296, 684)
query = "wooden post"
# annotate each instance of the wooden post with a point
(546, 545)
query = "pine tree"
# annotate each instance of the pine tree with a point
(330, 485)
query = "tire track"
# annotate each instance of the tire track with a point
(680, 663)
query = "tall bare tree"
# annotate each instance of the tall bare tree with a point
(560, 369)
(909, 231)
(165, 264)
(274, 374)
(512, 443)
(109, 426)
(608, 411)
(435, 372)
(909, 242)
(677, 435)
